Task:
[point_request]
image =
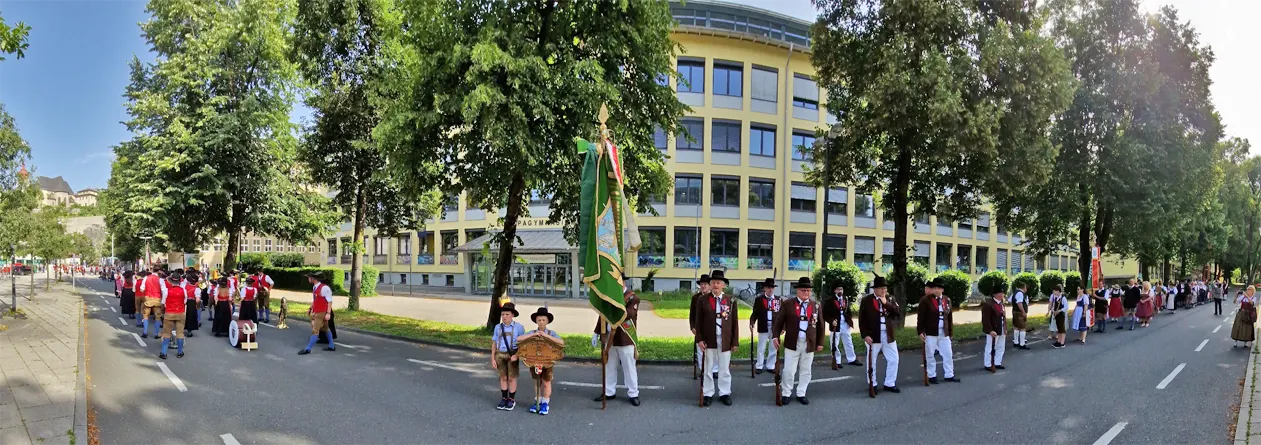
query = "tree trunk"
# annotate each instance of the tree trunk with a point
(1103, 228)
(356, 259)
(902, 218)
(1168, 270)
(234, 237)
(507, 241)
(1083, 241)
(1182, 257)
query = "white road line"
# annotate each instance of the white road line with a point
(102, 296)
(1165, 382)
(596, 385)
(340, 344)
(1111, 434)
(112, 309)
(1201, 346)
(265, 324)
(451, 367)
(122, 321)
(228, 439)
(1218, 328)
(813, 381)
(171, 375)
(1225, 319)
(138, 339)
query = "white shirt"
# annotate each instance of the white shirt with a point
(941, 316)
(1019, 298)
(718, 310)
(801, 313)
(326, 292)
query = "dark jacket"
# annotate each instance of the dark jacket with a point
(837, 309)
(993, 317)
(707, 317)
(786, 323)
(691, 313)
(761, 305)
(869, 317)
(926, 322)
(620, 337)
(1132, 296)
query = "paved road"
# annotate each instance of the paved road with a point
(373, 390)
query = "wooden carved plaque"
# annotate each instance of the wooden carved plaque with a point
(539, 352)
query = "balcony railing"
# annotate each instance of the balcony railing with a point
(332, 260)
(758, 262)
(380, 259)
(651, 260)
(800, 264)
(403, 259)
(724, 262)
(424, 259)
(450, 258)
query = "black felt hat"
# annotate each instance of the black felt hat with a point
(509, 307)
(316, 275)
(703, 279)
(719, 275)
(936, 283)
(542, 312)
(769, 282)
(803, 283)
(879, 282)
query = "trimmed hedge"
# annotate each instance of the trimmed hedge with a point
(369, 276)
(1072, 281)
(841, 273)
(917, 275)
(992, 281)
(294, 278)
(1027, 278)
(248, 261)
(957, 286)
(1049, 279)
(288, 259)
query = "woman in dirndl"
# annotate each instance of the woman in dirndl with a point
(128, 301)
(1057, 307)
(249, 303)
(192, 314)
(223, 309)
(1244, 329)
(1146, 306)
(1081, 314)
(1115, 310)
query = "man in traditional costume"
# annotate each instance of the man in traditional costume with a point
(717, 333)
(875, 314)
(765, 307)
(799, 323)
(935, 324)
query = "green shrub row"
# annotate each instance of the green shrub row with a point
(251, 260)
(294, 279)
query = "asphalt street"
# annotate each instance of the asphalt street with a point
(374, 390)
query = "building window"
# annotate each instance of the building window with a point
(760, 251)
(267, 246)
(762, 141)
(659, 139)
(800, 251)
(943, 257)
(687, 190)
(1002, 231)
(965, 224)
(761, 193)
(963, 259)
(805, 92)
(380, 245)
(838, 201)
(332, 247)
(982, 259)
(691, 134)
(864, 254)
(834, 248)
(726, 136)
(803, 145)
(451, 204)
(687, 247)
(450, 240)
(728, 79)
(804, 198)
(652, 251)
(1001, 261)
(805, 103)
(539, 198)
(921, 218)
(921, 253)
(725, 190)
(983, 223)
(864, 207)
(404, 243)
(257, 244)
(656, 199)
(724, 248)
(691, 76)
(765, 84)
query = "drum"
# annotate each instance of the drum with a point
(242, 334)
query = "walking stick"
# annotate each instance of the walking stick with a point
(993, 350)
(752, 363)
(871, 375)
(695, 358)
(700, 388)
(835, 339)
(924, 355)
(779, 376)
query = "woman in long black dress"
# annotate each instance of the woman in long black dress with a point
(223, 309)
(192, 313)
(249, 302)
(128, 301)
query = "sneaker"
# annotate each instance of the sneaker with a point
(543, 410)
(512, 403)
(534, 408)
(502, 403)
(162, 356)
(1057, 346)
(304, 352)
(179, 355)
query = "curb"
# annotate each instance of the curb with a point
(1245, 401)
(81, 385)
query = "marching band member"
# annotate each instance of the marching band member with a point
(249, 303)
(837, 312)
(994, 324)
(151, 287)
(798, 322)
(223, 309)
(1020, 317)
(128, 293)
(622, 353)
(874, 312)
(265, 284)
(936, 327)
(765, 308)
(717, 333)
(173, 298)
(321, 311)
(703, 285)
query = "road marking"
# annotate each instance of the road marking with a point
(122, 321)
(265, 324)
(102, 296)
(596, 385)
(1218, 328)
(352, 346)
(1165, 382)
(228, 439)
(138, 339)
(453, 368)
(112, 309)
(171, 375)
(1225, 319)
(1205, 342)
(813, 381)
(1111, 434)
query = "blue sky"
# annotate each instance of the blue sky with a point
(66, 94)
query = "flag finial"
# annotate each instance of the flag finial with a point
(604, 114)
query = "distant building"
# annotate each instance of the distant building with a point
(57, 192)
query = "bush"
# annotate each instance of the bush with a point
(841, 273)
(1072, 281)
(917, 275)
(286, 259)
(294, 278)
(958, 286)
(992, 281)
(368, 275)
(1048, 280)
(1027, 278)
(252, 260)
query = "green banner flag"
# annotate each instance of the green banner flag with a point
(600, 243)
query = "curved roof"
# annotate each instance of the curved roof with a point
(740, 21)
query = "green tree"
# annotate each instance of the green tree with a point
(48, 239)
(83, 246)
(840, 273)
(958, 286)
(13, 39)
(939, 104)
(496, 92)
(340, 48)
(213, 150)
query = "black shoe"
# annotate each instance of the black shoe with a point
(953, 379)
(987, 368)
(770, 371)
(803, 400)
(707, 401)
(726, 400)
(1119, 327)
(162, 356)
(785, 400)
(304, 352)
(144, 335)
(1000, 366)
(634, 401)
(179, 355)
(856, 363)
(932, 380)
(330, 349)
(892, 389)
(757, 371)
(1131, 328)
(189, 335)
(603, 398)
(1057, 345)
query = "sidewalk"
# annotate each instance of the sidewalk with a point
(572, 316)
(43, 392)
(1248, 419)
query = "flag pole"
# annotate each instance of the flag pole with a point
(604, 349)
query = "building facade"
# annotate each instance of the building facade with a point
(57, 192)
(740, 201)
